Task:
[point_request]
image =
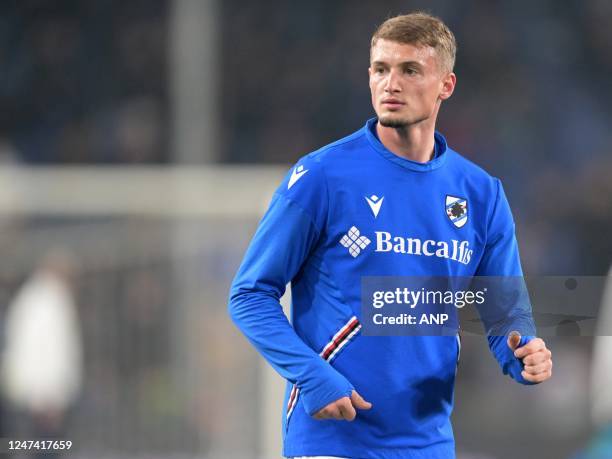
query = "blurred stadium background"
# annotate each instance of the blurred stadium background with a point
(139, 144)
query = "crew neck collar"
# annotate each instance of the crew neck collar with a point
(440, 150)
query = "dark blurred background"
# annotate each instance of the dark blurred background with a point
(88, 82)
(214, 85)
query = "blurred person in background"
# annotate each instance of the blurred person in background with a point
(42, 361)
(600, 446)
(397, 174)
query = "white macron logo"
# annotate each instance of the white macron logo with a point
(354, 242)
(374, 202)
(296, 175)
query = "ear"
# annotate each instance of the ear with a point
(448, 86)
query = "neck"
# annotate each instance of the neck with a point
(414, 142)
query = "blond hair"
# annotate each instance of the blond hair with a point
(420, 29)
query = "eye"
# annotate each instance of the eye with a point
(410, 71)
(379, 70)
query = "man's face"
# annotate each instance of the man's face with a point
(407, 83)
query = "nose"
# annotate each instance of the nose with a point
(392, 82)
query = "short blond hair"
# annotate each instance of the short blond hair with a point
(422, 29)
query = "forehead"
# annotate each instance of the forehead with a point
(392, 52)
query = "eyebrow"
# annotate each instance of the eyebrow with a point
(401, 64)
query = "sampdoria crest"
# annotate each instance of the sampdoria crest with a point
(457, 210)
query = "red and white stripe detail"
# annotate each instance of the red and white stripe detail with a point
(329, 352)
(292, 400)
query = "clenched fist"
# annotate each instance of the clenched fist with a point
(537, 359)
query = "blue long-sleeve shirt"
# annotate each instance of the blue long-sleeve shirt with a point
(331, 222)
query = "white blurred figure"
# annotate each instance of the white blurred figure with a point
(601, 383)
(42, 364)
(600, 447)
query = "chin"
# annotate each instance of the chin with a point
(392, 122)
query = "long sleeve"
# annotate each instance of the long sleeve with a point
(509, 308)
(287, 234)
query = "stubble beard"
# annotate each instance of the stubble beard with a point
(395, 123)
(399, 123)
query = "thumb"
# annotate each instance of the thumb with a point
(514, 339)
(359, 402)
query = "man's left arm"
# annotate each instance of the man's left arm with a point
(508, 320)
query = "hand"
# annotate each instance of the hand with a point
(537, 359)
(343, 408)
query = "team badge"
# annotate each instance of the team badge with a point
(457, 210)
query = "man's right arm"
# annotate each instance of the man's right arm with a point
(284, 239)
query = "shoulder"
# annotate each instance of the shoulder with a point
(473, 173)
(484, 190)
(315, 163)
(469, 168)
(305, 184)
(331, 152)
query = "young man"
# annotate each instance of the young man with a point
(331, 222)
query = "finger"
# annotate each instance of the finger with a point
(532, 346)
(321, 414)
(536, 378)
(335, 413)
(325, 413)
(514, 339)
(328, 410)
(346, 410)
(358, 401)
(331, 412)
(539, 368)
(537, 357)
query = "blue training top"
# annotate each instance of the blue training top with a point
(342, 213)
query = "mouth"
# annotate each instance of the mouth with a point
(392, 103)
